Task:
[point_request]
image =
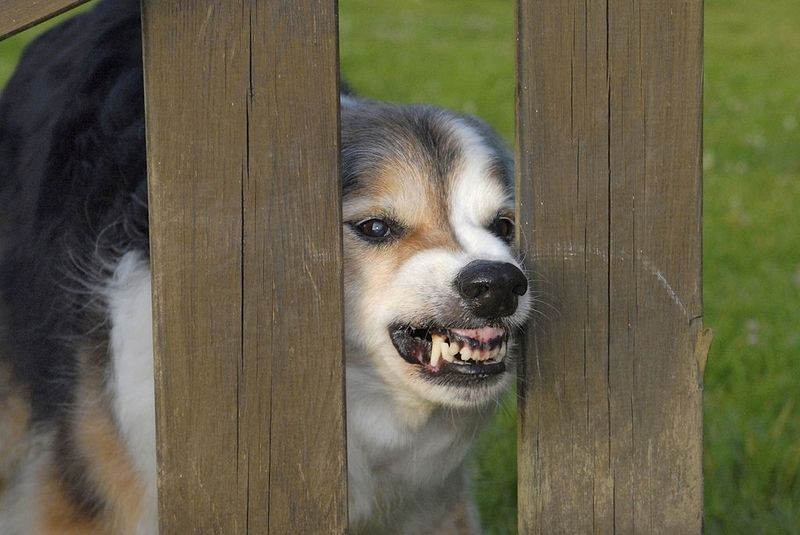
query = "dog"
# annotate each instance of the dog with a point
(435, 295)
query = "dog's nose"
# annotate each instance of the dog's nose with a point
(491, 289)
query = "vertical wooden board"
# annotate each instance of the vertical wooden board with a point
(609, 126)
(563, 197)
(196, 82)
(655, 61)
(293, 259)
(19, 15)
(246, 255)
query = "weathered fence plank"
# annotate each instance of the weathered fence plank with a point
(242, 104)
(19, 15)
(609, 186)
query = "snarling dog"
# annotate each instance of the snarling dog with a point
(434, 295)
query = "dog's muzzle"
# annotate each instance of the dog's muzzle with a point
(477, 347)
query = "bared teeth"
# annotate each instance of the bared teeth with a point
(436, 348)
(453, 349)
(441, 349)
(449, 351)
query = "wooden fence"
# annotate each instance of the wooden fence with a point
(609, 191)
(246, 251)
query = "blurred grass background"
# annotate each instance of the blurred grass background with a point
(752, 266)
(460, 54)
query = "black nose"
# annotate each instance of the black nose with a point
(491, 289)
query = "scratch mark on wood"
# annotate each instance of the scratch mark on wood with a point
(664, 283)
(570, 252)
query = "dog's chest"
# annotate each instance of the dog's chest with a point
(130, 312)
(395, 469)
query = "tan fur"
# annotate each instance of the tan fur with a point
(109, 471)
(424, 214)
(100, 445)
(58, 515)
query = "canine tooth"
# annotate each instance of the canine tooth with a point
(502, 353)
(493, 353)
(436, 351)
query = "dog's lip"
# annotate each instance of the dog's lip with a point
(438, 350)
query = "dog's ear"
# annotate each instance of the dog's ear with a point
(345, 90)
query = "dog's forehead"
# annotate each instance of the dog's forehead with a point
(423, 160)
(483, 183)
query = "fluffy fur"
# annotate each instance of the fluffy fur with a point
(434, 295)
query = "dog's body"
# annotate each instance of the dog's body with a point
(433, 295)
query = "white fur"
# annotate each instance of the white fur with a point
(404, 461)
(130, 311)
(474, 202)
(18, 514)
(408, 438)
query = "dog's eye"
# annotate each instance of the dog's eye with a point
(503, 228)
(375, 228)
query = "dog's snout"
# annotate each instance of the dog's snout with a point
(491, 289)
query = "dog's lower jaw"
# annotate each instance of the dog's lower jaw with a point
(467, 392)
(407, 460)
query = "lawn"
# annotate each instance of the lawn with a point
(460, 54)
(752, 266)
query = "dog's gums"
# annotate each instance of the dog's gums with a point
(466, 351)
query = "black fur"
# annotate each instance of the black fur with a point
(73, 200)
(387, 128)
(72, 180)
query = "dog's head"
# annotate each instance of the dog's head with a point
(434, 292)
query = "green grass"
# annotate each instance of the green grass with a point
(460, 54)
(752, 266)
(10, 49)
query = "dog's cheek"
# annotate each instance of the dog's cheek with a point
(368, 306)
(369, 279)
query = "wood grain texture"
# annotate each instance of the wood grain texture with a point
(242, 103)
(19, 15)
(609, 192)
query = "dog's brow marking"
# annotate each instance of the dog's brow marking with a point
(475, 204)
